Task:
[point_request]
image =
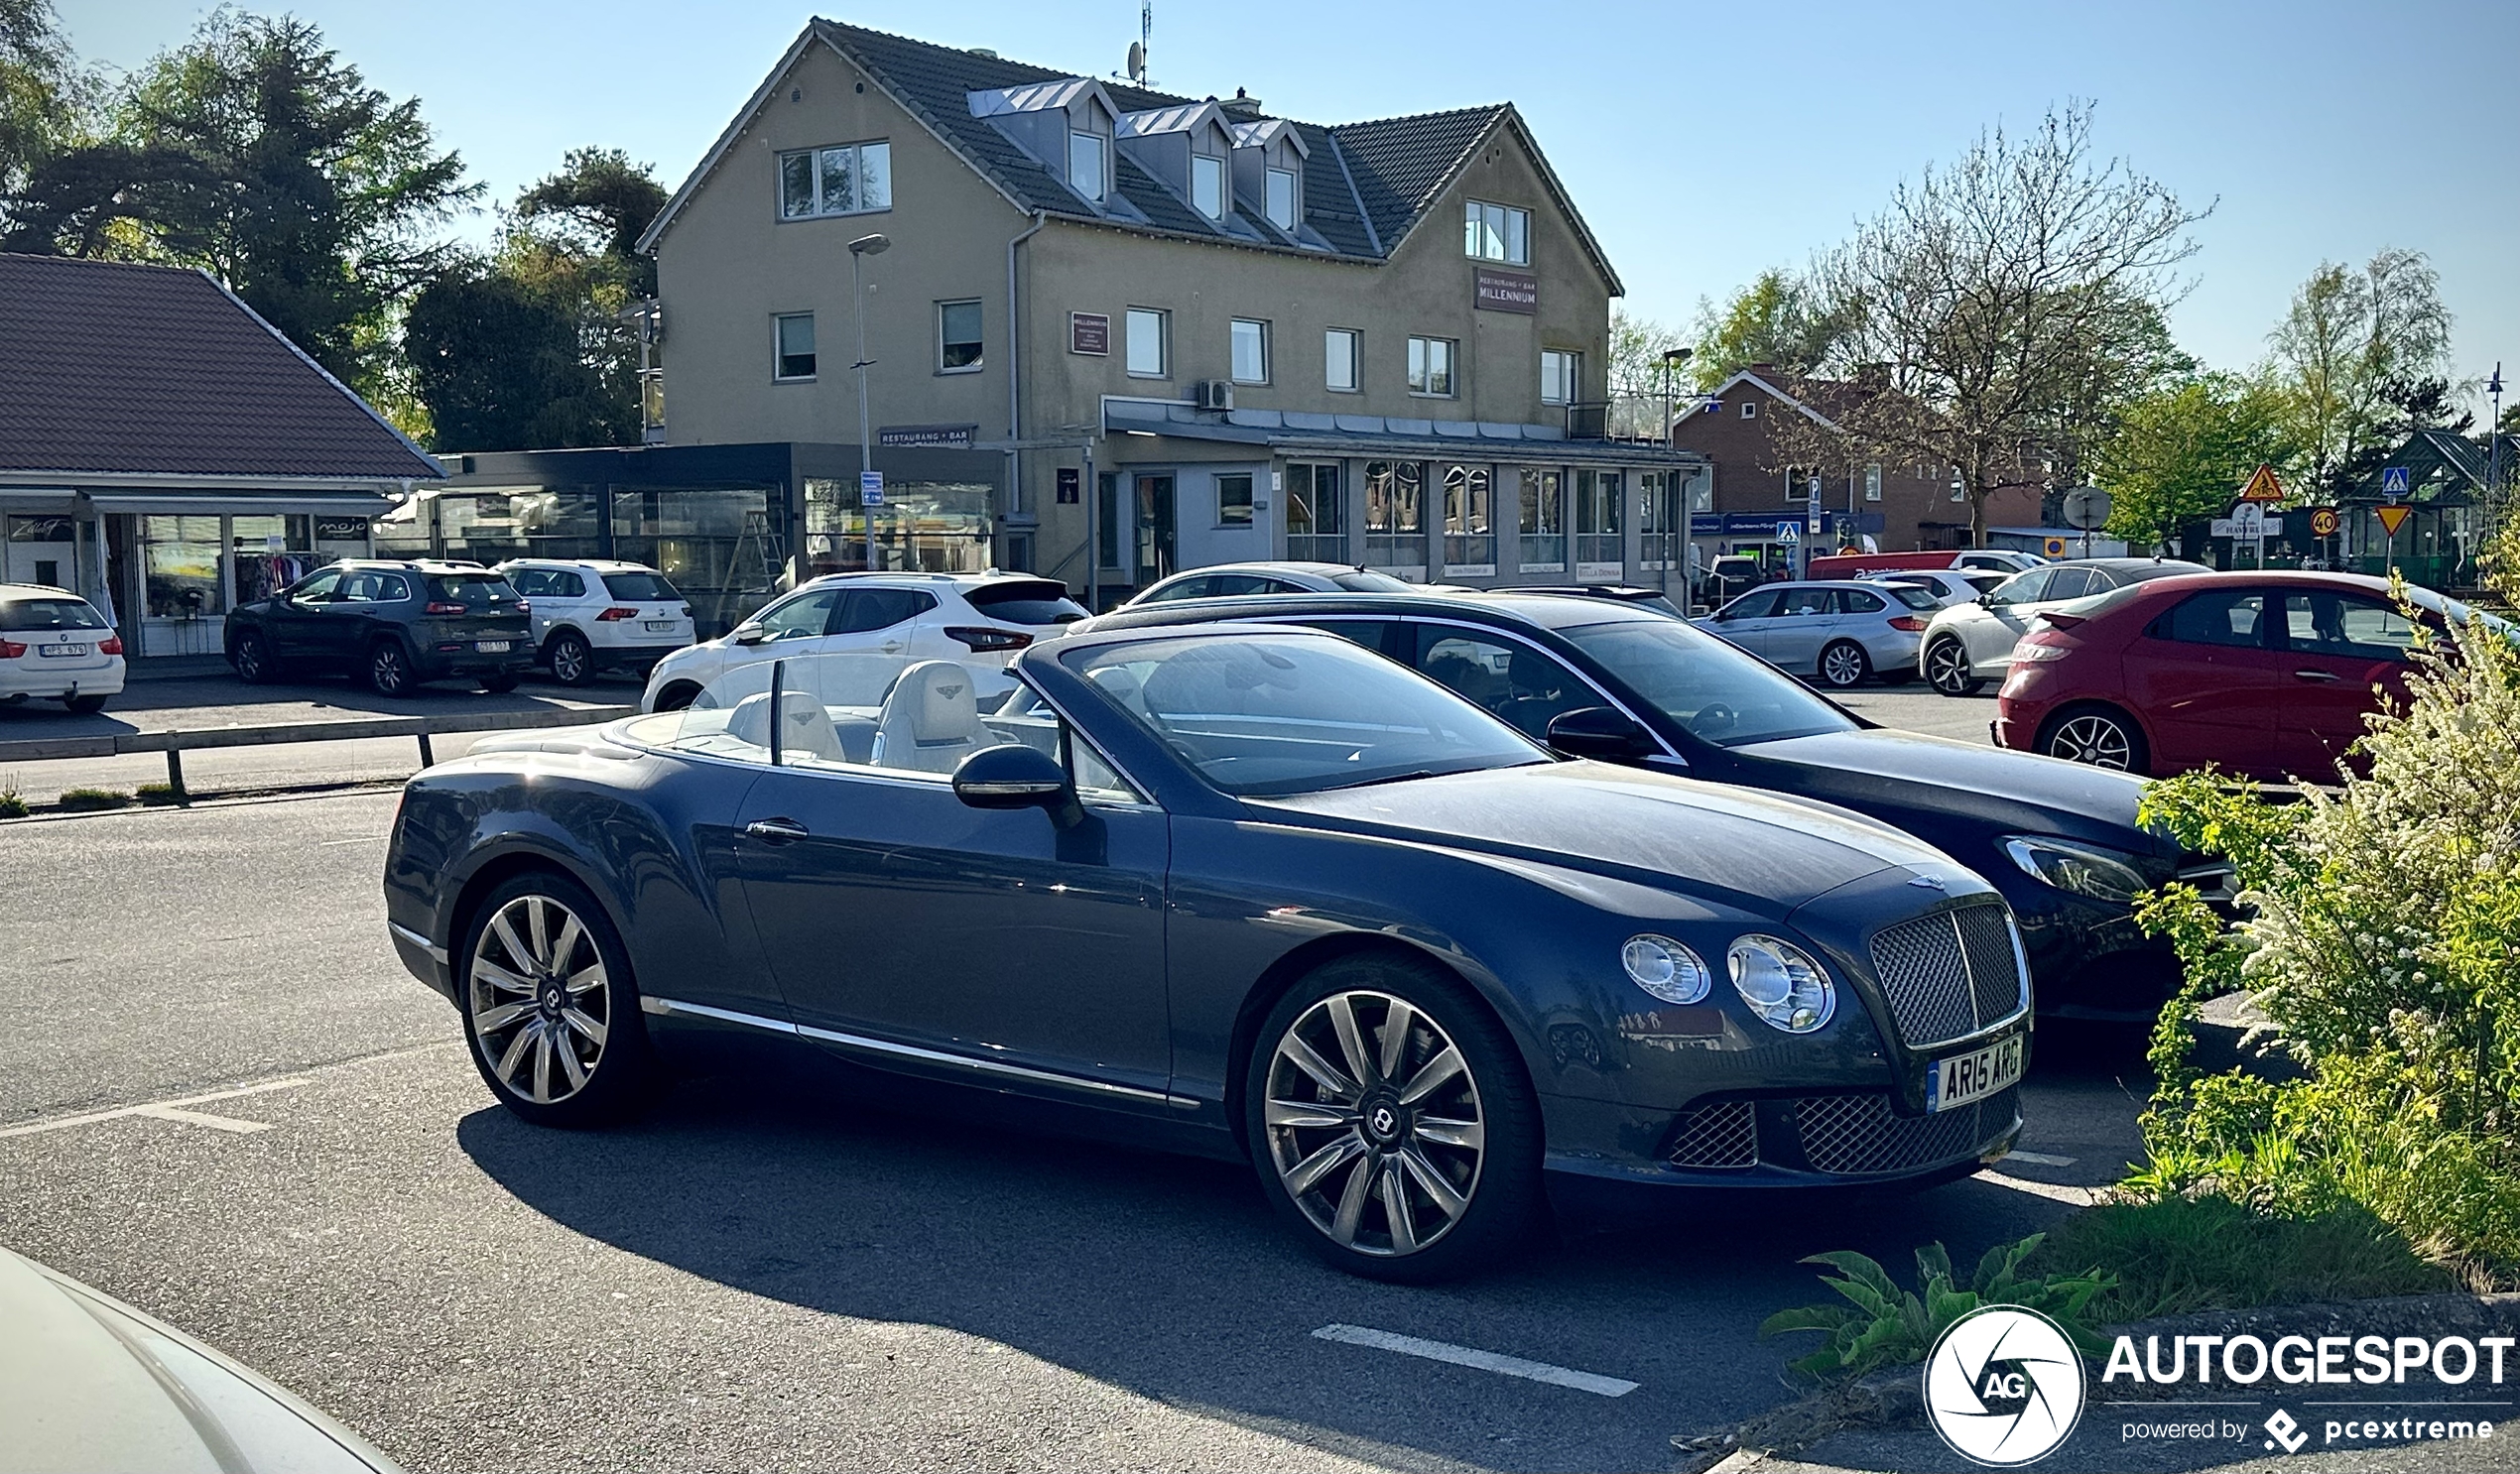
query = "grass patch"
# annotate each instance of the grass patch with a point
(12, 804)
(2178, 1253)
(159, 793)
(90, 800)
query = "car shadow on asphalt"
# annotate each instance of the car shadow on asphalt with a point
(1171, 1277)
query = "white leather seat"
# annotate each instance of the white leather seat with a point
(931, 721)
(804, 728)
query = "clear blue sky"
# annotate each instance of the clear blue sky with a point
(1702, 142)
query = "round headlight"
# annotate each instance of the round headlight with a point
(1781, 983)
(1666, 969)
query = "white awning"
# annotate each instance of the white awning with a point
(246, 503)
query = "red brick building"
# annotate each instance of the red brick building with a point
(1899, 506)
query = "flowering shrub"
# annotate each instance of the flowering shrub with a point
(2385, 951)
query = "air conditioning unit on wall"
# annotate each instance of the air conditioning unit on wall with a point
(1215, 394)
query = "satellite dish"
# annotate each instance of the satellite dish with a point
(2086, 508)
(1137, 60)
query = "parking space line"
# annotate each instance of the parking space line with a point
(2038, 1159)
(1485, 1361)
(2080, 1198)
(201, 1118)
(164, 1109)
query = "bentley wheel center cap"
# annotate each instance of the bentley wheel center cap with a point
(1383, 1122)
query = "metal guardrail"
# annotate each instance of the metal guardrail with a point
(176, 743)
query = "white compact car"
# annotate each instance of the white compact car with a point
(1947, 586)
(976, 619)
(1970, 644)
(596, 614)
(54, 644)
(1236, 580)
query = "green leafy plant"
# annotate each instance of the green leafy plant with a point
(1884, 1325)
(12, 803)
(2173, 1255)
(88, 800)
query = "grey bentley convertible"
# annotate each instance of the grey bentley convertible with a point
(1255, 888)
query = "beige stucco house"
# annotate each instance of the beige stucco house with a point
(1113, 333)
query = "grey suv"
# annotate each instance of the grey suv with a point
(391, 625)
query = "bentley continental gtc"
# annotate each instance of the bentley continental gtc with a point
(1253, 889)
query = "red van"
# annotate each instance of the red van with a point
(1864, 564)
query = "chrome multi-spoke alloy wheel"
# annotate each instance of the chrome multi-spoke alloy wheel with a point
(540, 1000)
(1374, 1122)
(2097, 740)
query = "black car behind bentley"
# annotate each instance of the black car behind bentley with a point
(2060, 840)
(390, 625)
(1260, 891)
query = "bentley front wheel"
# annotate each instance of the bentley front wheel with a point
(549, 1006)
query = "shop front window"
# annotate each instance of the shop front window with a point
(42, 549)
(1395, 514)
(714, 543)
(1544, 521)
(1470, 529)
(179, 559)
(494, 524)
(924, 527)
(1315, 512)
(272, 552)
(1597, 537)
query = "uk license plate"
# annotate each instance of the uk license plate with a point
(491, 647)
(660, 625)
(61, 651)
(1965, 1079)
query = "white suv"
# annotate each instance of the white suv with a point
(977, 619)
(592, 614)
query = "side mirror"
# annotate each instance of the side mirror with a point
(748, 633)
(1597, 732)
(1014, 775)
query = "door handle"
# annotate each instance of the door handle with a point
(890, 647)
(776, 831)
(2314, 675)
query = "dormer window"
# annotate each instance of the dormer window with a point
(1282, 199)
(1207, 185)
(1086, 164)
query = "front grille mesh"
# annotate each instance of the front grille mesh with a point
(1722, 1134)
(1859, 1134)
(1948, 974)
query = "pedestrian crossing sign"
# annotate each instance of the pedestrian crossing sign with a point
(2393, 483)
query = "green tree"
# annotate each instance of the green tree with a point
(42, 95)
(1638, 381)
(596, 208)
(1774, 320)
(2351, 348)
(2181, 453)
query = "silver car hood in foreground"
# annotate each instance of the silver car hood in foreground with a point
(90, 1385)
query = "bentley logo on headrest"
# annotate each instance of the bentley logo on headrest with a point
(948, 691)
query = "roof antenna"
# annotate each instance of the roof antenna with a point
(1139, 47)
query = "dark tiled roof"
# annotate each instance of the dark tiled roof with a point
(107, 367)
(1399, 163)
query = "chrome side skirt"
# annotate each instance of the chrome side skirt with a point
(437, 954)
(889, 1049)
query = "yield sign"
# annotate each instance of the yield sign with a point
(2263, 487)
(2393, 517)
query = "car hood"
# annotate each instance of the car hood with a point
(87, 1383)
(1881, 771)
(1756, 851)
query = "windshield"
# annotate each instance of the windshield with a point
(1266, 715)
(20, 615)
(1368, 581)
(1721, 694)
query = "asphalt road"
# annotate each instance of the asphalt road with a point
(773, 1272)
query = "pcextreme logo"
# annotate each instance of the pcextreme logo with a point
(2004, 1387)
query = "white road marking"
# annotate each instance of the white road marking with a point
(361, 839)
(2038, 1159)
(165, 1110)
(1485, 1361)
(2080, 1198)
(201, 1118)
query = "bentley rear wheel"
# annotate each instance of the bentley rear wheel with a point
(548, 1005)
(1392, 1122)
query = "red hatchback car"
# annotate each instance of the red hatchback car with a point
(2266, 674)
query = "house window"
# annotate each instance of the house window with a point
(1207, 185)
(1315, 512)
(1251, 352)
(1496, 232)
(1149, 334)
(957, 337)
(1431, 366)
(793, 346)
(848, 178)
(1339, 355)
(1282, 199)
(1395, 514)
(1872, 483)
(1469, 532)
(1750, 410)
(1084, 163)
(1561, 376)
(1596, 499)
(1233, 500)
(1544, 521)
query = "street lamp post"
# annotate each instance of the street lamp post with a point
(1673, 542)
(858, 250)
